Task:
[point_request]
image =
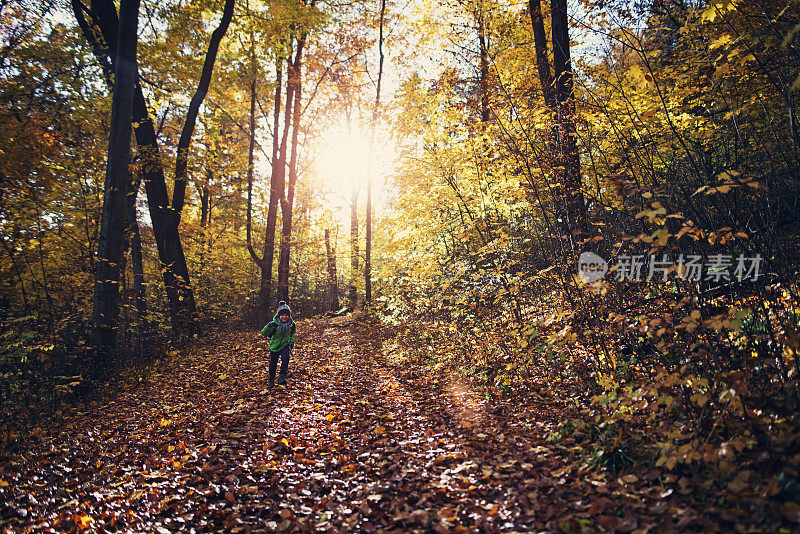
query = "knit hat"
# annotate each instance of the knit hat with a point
(283, 307)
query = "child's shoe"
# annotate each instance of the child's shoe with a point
(281, 380)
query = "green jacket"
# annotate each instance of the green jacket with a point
(277, 340)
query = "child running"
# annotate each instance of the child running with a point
(281, 333)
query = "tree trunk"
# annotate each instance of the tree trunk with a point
(261, 304)
(205, 215)
(102, 35)
(542, 59)
(164, 218)
(275, 189)
(570, 163)
(105, 311)
(368, 245)
(186, 319)
(484, 64)
(563, 155)
(375, 110)
(137, 266)
(287, 202)
(182, 159)
(250, 162)
(353, 297)
(205, 200)
(333, 283)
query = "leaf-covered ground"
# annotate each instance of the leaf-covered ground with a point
(360, 440)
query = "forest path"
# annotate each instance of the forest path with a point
(360, 440)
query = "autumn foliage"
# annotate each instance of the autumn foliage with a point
(574, 225)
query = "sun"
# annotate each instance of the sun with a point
(343, 158)
(344, 163)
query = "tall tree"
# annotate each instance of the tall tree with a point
(259, 261)
(373, 125)
(287, 198)
(483, 45)
(112, 229)
(101, 31)
(353, 291)
(333, 283)
(276, 185)
(559, 97)
(134, 244)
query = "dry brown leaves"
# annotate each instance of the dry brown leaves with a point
(360, 440)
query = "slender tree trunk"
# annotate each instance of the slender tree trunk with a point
(186, 319)
(135, 246)
(105, 312)
(13, 258)
(563, 155)
(542, 59)
(260, 304)
(275, 189)
(238, 200)
(205, 200)
(205, 215)
(484, 64)
(41, 236)
(373, 126)
(250, 162)
(368, 245)
(283, 261)
(565, 97)
(139, 285)
(333, 283)
(353, 297)
(182, 159)
(287, 203)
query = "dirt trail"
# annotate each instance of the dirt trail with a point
(359, 441)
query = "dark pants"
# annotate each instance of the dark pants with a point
(273, 362)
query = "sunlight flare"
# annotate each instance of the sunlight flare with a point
(344, 163)
(343, 160)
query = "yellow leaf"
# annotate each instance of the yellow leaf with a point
(701, 400)
(720, 41)
(757, 185)
(83, 521)
(728, 176)
(380, 430)
(722, 70)
(639, 77)
(671, 461)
